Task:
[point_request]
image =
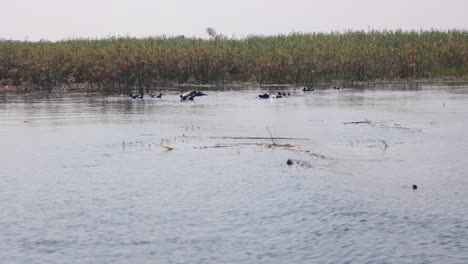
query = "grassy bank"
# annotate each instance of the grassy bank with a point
(124, 64)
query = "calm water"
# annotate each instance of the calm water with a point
(84, 179)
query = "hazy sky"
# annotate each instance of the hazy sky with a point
(59, 19)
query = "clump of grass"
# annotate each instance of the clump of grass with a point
(127, 64)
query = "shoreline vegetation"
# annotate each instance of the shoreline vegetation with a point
(124, 64)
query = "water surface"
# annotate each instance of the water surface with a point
(84, 178)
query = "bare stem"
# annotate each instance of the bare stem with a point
(271, 136)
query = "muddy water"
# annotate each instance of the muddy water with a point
(84, 179)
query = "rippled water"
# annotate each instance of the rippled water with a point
(84, 179)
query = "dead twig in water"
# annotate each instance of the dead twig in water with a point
(245, 144)
(385, 144)
(253, 138)
(382, 144)
(167, 147)
(357, 122)
(271, 136)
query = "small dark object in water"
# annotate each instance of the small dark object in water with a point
(156, 96)
(308, 89)
(186, 95)
(337, 87)
(289, 162)
(415, 187)
(190, 95)
(264, 96)
(135, 96)
(358, 122)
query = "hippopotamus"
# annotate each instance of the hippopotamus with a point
(135, 96)
(156, 96)
(190, 95)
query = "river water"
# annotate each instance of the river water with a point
(90, 179)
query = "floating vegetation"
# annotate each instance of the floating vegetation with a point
(124, 65)
(254, 138)
(383, 124)
(167, 147)
(380, 144)
(358, 122)
(301, 163)
(235, 145)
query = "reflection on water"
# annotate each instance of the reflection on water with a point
(84, 179)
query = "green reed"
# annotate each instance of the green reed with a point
(121, 64)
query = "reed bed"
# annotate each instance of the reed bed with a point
(123, 64)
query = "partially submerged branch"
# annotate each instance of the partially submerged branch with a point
(357, 122)
(271, 137)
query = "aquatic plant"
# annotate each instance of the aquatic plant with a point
(123, 64)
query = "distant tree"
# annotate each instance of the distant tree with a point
(211, 32)
(213, 35)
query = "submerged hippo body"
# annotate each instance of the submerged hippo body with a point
(135, 96)
(264, 96)
(156, 96)
(190, 95)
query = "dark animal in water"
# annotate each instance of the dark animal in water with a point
(337, 88)
(264, 96)
(308, 89)
(415, 187)
(135, 96)
(156, 96)
(284, 94)
(289, 162)
(190, 95)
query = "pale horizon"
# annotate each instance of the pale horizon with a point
(57, 20)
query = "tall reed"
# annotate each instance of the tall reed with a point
(121, 64)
